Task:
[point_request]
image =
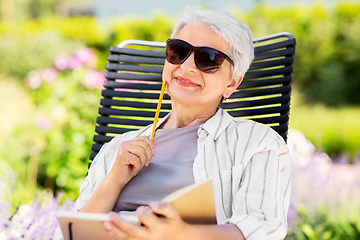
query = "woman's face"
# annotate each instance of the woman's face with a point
(186, 84)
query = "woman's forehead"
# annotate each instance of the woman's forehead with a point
(201, 35)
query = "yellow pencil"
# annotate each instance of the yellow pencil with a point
(158, 109)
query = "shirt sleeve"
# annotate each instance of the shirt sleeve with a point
(261, 203)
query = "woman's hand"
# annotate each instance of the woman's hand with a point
(131, 157)
(168, 225)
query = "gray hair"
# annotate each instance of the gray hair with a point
(234, 31)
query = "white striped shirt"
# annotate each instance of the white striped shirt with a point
(248, 163)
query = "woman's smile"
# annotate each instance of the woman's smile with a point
(186, 82)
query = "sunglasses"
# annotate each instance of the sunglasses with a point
(207, 60)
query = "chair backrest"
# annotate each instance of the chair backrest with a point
(134, 82)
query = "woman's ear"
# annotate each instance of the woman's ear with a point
(233, 85)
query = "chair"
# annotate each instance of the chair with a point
(134, 82)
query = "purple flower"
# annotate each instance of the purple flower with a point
(318, 182)
(36, 220)
(292, 214)
(357, 160)
(4, 214)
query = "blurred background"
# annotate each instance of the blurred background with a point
(52, 63)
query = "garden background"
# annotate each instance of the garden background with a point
(51, 75)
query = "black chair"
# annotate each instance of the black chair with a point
(134, 82)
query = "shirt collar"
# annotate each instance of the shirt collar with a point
(162, 120)
(217, 123)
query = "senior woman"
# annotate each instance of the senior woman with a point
(206, 59)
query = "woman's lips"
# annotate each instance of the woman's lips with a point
(185, 82)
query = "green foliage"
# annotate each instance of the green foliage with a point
(51, 130)
(35, 44)
(326, 225)
(43, 39)
(29, 9)
(328, 42)
(21, 55)
(71, 109)
(326, 65)
(14, 117)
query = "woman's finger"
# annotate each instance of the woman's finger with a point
(164, 209)
(148, 145)
(132, 154)
(146, 140)
(129, 158)
(146, 216)
(142, 150)
(152, 144)
(141, 153)
(123, 228)
(114, 231)
(165, 225)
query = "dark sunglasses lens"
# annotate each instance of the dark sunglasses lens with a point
(208, 60)
(177, 51)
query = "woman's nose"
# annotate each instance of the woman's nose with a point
(189, 64)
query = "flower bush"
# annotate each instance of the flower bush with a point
(36, 220)
(325, 199)
(54, 127)
(66, 99)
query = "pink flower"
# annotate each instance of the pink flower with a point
(99, 83)
(43, 123)
(48, 75)
(94, 80)
(33, 79)
(74, 63)
(78, 59)
(61, 63)
(85, 55)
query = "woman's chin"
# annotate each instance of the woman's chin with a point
(183, 100)
(191, 97)
(182, 94)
